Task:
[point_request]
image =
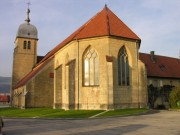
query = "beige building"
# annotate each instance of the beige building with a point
(96, 67)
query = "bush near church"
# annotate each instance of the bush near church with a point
(174, 98)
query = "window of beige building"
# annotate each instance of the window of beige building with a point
(90, 68)
(123, 67)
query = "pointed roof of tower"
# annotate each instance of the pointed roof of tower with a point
(27, 30)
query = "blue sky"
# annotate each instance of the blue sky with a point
(156, 22)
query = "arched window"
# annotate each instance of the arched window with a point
(123, 67)
(25, 45)
(29, 44)
(90, 68)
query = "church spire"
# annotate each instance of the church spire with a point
(28, 11)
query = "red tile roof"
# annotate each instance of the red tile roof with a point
(164, 67)
(104, 23)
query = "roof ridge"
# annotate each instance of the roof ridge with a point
(85, 24)
(107, 18)
(160, 55)
(73, 36)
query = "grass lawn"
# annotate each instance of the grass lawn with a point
(47, 113)
(57, 113)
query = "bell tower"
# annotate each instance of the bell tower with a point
(25, 51)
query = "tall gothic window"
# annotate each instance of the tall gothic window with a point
(123, 67)
(90, 68)
(29, 44)
(25, 44)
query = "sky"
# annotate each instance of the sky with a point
(156, 22)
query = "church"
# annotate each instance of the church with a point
(97, 67)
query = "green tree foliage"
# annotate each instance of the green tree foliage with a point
(174, 97)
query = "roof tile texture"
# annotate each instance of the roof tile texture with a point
(164, 67)
(104, 23)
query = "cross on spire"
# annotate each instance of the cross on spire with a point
(28, 11)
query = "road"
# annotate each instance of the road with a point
(161, 123)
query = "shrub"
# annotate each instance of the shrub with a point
(174, 97)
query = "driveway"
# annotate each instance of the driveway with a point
(161, 123)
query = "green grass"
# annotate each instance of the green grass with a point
(57, 113)
(74, 114)
(30, 112)
(47, 112)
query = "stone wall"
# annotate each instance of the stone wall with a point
(66, 89)
(23, 59)
(108, 93)
(159, 82)
(41, 88)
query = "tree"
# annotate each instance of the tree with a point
(174, 97)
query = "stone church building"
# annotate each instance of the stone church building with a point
(96, 67)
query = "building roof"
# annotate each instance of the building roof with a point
(27, 30)
(104, 23)
(161, 66)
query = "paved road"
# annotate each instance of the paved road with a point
(162, 123)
